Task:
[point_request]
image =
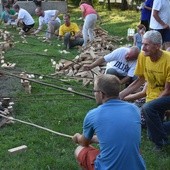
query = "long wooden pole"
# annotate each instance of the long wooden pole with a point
(46, 84)
(37, 126)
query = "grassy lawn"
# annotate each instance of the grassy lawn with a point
(55, 109)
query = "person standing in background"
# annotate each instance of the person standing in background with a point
(146, 13)
(160, 18)
(90, 17)
(138, 36)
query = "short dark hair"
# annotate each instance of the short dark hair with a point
(66, 15)
(7, 6)
(16, 6)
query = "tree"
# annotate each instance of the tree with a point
(109, 5)
(124, 5)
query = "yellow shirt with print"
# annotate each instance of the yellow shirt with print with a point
(73, 28)
(156, 73)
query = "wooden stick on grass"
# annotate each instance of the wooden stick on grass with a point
(47, 84)
(37, 126)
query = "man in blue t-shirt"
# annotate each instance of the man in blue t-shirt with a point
(115, 125)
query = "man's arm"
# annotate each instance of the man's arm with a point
(18, 21)
(137, 95)
(159, 20)
(81, 140)
(148, 8)
(38, 30)
(55, 16)
(40, 27)
(166, 91)
(125, 80)
(82, 10)
(132, 87)
(94, 64)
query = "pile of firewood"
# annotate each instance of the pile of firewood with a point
(5, 44)
(103, 45)
(6, 109)
(6, 38)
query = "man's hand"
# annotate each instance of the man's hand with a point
(166, 26)
(76, 137)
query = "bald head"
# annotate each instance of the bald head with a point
(132, 54)
(39, 11)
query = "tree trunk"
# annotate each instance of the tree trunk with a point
(124, 5)
(109, 5)
(91, 2)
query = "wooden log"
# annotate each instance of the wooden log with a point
(67, 64)
(92, 54)
(3, 121)
(96, 70)
(17, 149)
(5, 102)
(86, 81)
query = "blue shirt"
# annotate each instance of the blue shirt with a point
(117, 126)
(138, 39)
(145, 13)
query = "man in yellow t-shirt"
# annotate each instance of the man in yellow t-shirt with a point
(153, 67)
(70, 32)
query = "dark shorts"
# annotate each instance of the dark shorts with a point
(26, 28)
(87, 157)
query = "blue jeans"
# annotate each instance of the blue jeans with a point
(154, 114)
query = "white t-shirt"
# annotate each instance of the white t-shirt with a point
(163, 6)
(48, 14)
(25, 17)
(116, 60)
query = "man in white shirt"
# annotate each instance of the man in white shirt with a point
(24, 18)
(160, 18)
(120, 62)
(49, 18)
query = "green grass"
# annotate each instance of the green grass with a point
(60, 111)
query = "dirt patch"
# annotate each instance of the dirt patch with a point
(9, 86)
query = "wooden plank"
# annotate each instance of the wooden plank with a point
(3, 121)
(17, 149)
(67, 64)
(92, 54)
